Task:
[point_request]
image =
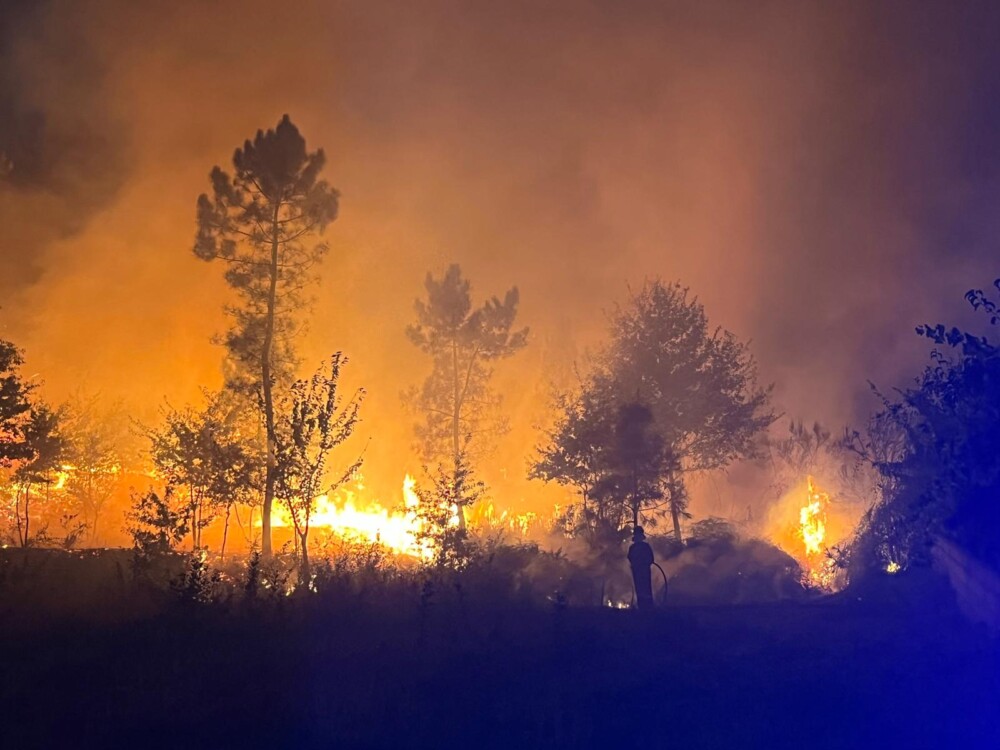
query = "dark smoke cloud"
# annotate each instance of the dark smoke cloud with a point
(64, 154)
(823, 175)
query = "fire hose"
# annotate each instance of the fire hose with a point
(663, 596)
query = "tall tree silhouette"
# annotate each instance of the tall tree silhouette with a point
(699, 384)
(263, 221)
(612, 454)
(576, 452)
(456, 398)
(14, 405)
(49, 447)
(637, 461)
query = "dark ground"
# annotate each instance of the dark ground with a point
(891, 666)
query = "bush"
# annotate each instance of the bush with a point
(198, 584)
(945, 478)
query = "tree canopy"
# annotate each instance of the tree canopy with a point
(698, 386)
(263, 220)
(207, 461)
(14, 405)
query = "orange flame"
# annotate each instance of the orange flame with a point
(368, 522)
(812, 519)
(820, 571)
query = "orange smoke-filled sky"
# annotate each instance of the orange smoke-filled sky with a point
(823, 175)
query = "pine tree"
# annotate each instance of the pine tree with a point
(263, 221)
(14, 405)
(48, 447)
(456, 400)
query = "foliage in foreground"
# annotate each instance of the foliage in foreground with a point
(495, 576)
(935, 445)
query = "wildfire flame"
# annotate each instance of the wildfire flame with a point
(820, 571)
(487, 517)
(397, 530)
(67, 471)
(350, 516)
(812, 519)
(62, 477)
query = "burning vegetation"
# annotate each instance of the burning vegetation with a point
(394, 435)
(819, 566)
(271, 461)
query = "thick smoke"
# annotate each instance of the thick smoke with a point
(63, 157)
(822, 175)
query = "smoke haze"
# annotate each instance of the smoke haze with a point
(824, 176)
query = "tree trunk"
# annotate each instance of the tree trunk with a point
(88, 506)
(266, 388)
(22, 526)
(253, 540)
(194, 522)
(675, 514)
(636, 500)
(17, 515)
(225, 533)
(93, 529)
(27, 516)
(304, 574)
(456, 421)
(95, 506)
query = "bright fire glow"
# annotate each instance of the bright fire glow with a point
(347, 517)
(66, 471)
(62, 476)
(812, 519)
(812, 530)
(485, 516)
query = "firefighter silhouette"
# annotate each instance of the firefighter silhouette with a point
(640, 557)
